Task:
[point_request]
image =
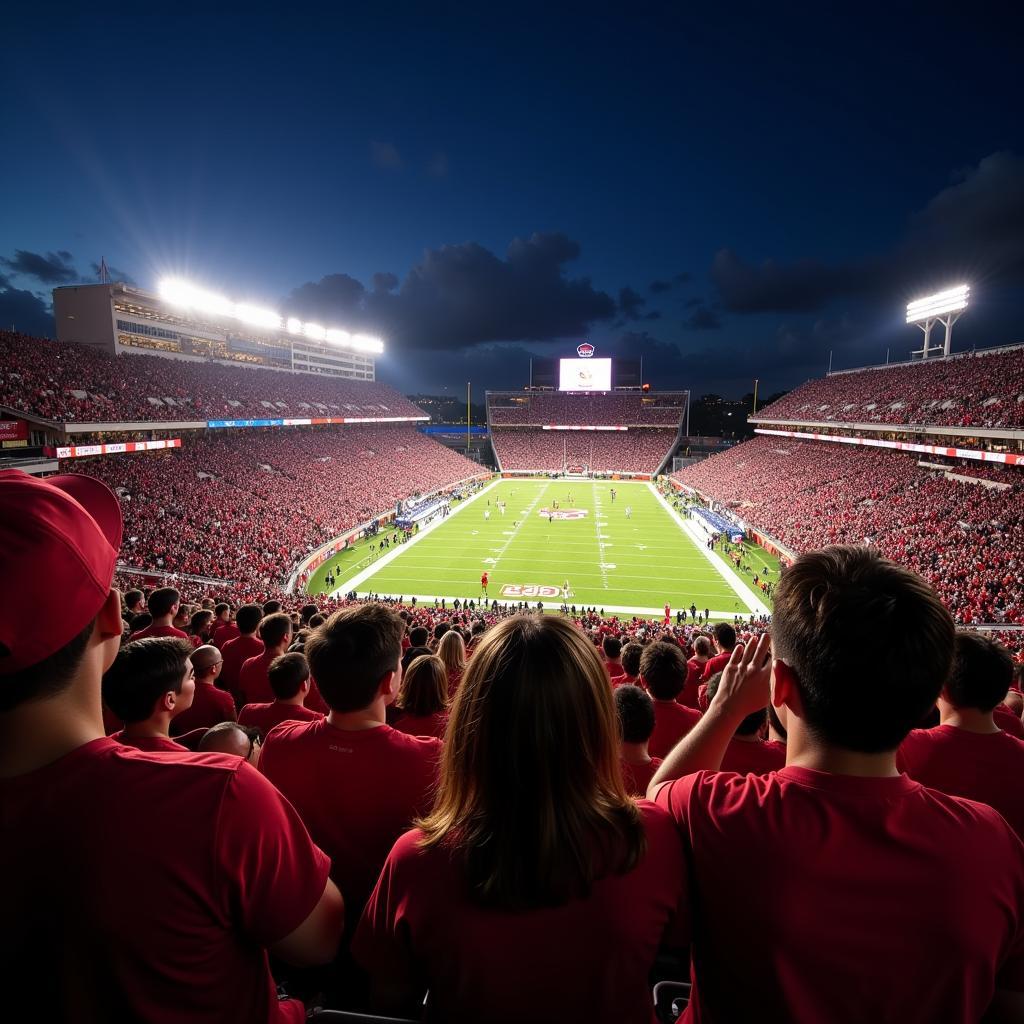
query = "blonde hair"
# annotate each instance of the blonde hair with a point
(452, 651)
(424, 688)
(531, 796)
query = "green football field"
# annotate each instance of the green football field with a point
(629, 554)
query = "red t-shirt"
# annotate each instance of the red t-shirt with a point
(861, 899)
(209, 706)
(356, 790)
(152, 744)
(694, 670)
(147, 887)
(614, 669)
(671, 723)
(588, 959)
(254, 679)
(637, 777)
(159, 631)
(1008, 721)
(422, 725)
(715, 664)
(236, 653)
(224, 634)
(758, 758)
(988, 767)
(265, 716)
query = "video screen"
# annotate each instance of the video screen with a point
(585, 375)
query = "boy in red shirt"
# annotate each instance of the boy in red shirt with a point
(841, 868)
(91, 827)
(725, 641)
(663, 672)
(163, 605)
(241, 648)
(694, 671)
(150, 682)
(289, 679)
(253, 681)
(631, 654)
(967, 754)
(611, 647)
(210, 704)
(636, 723)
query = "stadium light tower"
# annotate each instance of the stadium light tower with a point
(942, 307)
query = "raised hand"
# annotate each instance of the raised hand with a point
(745, 684)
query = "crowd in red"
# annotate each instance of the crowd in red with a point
(974, 390)
(67, 383)
(604, 410)
(966, 539)
(637, 450)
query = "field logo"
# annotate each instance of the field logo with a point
(528, 590)
(585, 351)
(563, 513)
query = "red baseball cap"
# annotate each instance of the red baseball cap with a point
(59, 540)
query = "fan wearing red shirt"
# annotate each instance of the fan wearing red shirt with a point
(725, 641)
(163, 605)
(210, 704)
(94, 831)
(636, 723)
(243, 647)
(253, 682)
(630, 665)
(150, 682)
(663, 672)
(422, 704)
(747, 752)
(968, 754)
(289, 679)
(611, 647)
(528, 894)
(694, 671)
(356, 782)
(864, 895)
(483, 583)
(223, 628)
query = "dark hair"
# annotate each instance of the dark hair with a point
(139, 622)
(424, 689)
(981, 674)
(631, 654)
(702, 646)
(247, 618)
(162, 601)
(352, 651)
(308, 611)
(132, 597)
(663, 668)
(753, 723)
(271, 607)
(440, 629)
(636, 713)
(317, 620)
(830, 608)
(418, 636)
(200, 620)
(611, 646)
(219, 608)
(725, 635)
(45, 678)
(274, 628)
(287, 673)
(143, 671)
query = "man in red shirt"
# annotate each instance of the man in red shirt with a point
(276, 634)
(630, 664)
(356, 782)
(210, 704)
(864, 895)
(223, 628)
(747, 752)
(163, 605)
(694, 671)
(725, 641)
(636, 723)
(663, 671)
(968, 754)
(611, 647)
(243, 647)
(150, 682)
(289, 679)
(483, 584)
(92, 827)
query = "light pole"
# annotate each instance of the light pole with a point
(944, 308)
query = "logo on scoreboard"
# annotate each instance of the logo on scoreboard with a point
(585, 351)
(563, 513)
(528, 590)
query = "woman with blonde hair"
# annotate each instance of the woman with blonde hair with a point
(423, 698)
(536, 889)
(452, 651)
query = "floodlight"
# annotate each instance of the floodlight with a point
(949, 301)
(257, 317)
(339, 337)
(294, 325)
(315, 331)
(181, 293)
(364, 343)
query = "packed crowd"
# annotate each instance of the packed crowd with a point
(245, 507)
(966, 539)
(606, 410)
(628, 451)
(66, 383)
(522, 820)
(963, 391)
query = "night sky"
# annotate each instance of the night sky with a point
(730, 195)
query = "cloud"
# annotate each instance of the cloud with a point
(386, 155)
(973, 229)
(114, 272)
(53, 268)
(464, 295)
(703, 318)
(661, 286)
(630, 303)
(437, 165)
(385, 282)
(24, 311)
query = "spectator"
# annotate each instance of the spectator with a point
(134, 604)
(224, 627)
(871, 851)
(222, 860)
(356, 782)
(968, 754)
(419, 637)
(611, 647)
(663, 672)
(151, 682)
(423, 697)
(452, 651)
(747, 752)
(631, 664)
(210, 704)
(163, 606)
(240, 649)
(636, 723)
(138, 623)
(288, 676)
(234, 739)
(725, 641)
(517, 863)
(695, 670)
(199, 627)
(253, 681)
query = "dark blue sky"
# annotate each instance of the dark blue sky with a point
(730, 195)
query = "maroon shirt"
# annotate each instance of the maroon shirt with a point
(209, 706)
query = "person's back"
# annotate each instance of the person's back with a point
(254, 677)
(240, 649)
(663, 672)
(210, 704)
(266, 716)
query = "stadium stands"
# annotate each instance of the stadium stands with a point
(608, 410)
(629, 451)
(962, 391)
(68, 383)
